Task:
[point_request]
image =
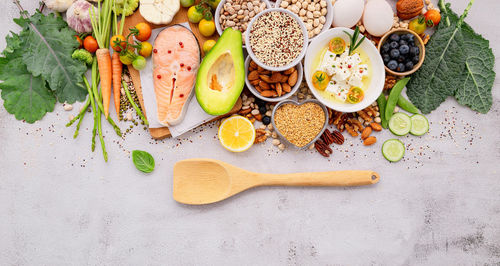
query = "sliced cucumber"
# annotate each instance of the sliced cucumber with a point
(400, 124)
(393, 150)
(419, 125)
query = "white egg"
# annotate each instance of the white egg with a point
(346, 13)
(378, 17)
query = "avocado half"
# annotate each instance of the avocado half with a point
(221, 75)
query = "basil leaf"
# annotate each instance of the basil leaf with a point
(143, 161)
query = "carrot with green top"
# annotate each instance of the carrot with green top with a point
(117, 43)
(101, 24)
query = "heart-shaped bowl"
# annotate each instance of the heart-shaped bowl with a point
(277, 106)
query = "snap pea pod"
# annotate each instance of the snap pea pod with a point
(382, 102)
(407, 105)
(393, 97)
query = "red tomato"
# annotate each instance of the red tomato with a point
(432, 17)
(144, 31)
(90, 44)
(79, 41)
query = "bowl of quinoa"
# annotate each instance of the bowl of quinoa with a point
(276, 39)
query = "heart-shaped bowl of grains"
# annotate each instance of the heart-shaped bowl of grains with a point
(276, 39)
(237, 14)
(300, 124)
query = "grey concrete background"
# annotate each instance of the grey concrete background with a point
(60, 204)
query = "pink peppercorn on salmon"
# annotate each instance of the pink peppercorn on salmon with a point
(176, 59)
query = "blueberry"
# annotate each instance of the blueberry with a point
(394, 37)
(400, 68)
(414, 50)
(409, 65)
(401, 59)
(404, 37)
(260, 102)
(415, 59)
(386, 58)
(403, 42)
(394, 45)
(266, 120)
(386, 47)
(395, 53)
(392, 65)
(262, 109)
(410, 37)
(404, 49)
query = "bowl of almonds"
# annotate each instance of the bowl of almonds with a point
(317, 15)
(272, 86)
(237, 14)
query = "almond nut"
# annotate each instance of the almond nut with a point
(366, 133)
(253, 75)
(370, 141)
(292, 79)
(264, 85)
(286, 87)
(265, 78)
(289, 71)
(279, 89)
(275, 77)
(376, 126)
(268, 93)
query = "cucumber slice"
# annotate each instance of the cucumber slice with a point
(419, 125)
(393, 150)
(400, 124)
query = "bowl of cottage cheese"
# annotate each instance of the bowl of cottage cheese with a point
(345, 80)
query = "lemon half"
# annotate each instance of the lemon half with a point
(236, 133)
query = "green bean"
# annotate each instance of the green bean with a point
(125, 87)
(407, 105)
(382, 102)
(393, 97)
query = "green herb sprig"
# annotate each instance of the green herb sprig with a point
(354, 40)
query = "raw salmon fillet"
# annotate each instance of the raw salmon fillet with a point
(176, 59)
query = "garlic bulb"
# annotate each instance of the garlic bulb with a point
(58, 5)
(78, 16)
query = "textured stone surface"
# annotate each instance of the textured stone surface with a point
(60, 204)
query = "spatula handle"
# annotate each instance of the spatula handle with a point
(334, 178)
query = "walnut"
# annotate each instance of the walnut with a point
(408, 9)
(390, 81)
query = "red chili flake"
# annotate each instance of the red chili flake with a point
(155, 51)
(182, 64)
(180, 43)
(181, 95)
(361, 71)
(169, 51)
(189, 68)
(349, 66)
(158, 76)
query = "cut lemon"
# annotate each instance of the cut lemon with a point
(236, 133)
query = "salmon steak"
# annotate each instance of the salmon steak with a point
(176, 59)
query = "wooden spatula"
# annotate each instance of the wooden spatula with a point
(203, 181)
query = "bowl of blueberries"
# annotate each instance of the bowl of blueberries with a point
(402, 51)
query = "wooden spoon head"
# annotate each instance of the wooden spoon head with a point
(200, 181)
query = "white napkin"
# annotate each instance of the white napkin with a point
(195, 116)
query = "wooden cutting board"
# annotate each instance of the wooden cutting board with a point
(180, 17)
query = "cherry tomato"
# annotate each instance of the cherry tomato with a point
(432, 17)
(144, 31)
(139, 63)
(127, 57)
(355, 95)
(320, 80)
(418, 25)
(118, 42)
(79, 41)
(195, 14)
(90, 44)
(146, 49)
(336, 45)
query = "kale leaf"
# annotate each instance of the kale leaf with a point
(25, 96)
(459, 62)
(48, 43)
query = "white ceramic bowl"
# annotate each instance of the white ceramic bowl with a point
(328, 16)
(218, 26)
(377, 68)
(273, 99)
(294, 62)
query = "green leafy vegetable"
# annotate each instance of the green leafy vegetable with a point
(143, 161)
(354, 40)
(458, 63)
(47, 43)
(25, 96)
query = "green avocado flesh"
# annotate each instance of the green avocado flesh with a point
(221, 76)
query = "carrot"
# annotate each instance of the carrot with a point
(117, 79)
(104, 64)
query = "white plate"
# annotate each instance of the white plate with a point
(377, 68)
